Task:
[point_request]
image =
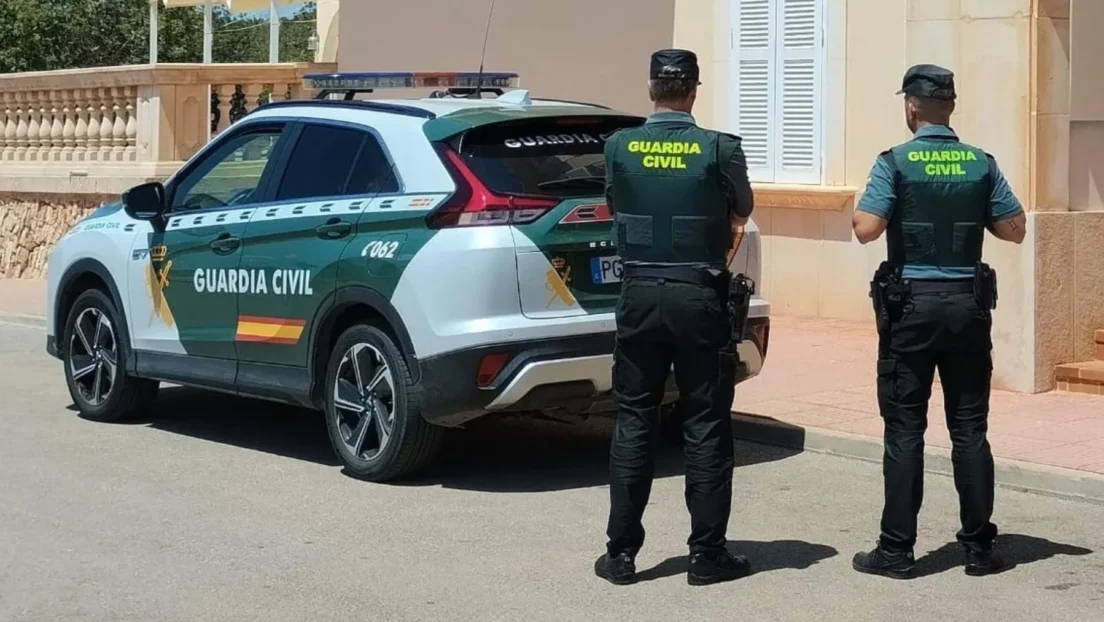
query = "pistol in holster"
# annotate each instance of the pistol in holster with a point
(888, 291)
(985, 286)
(740, 290)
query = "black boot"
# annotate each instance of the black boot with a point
(619, 570)
(885, 563)
(982, 563)
(710, 568)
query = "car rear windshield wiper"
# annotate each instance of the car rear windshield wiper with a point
(584, 180)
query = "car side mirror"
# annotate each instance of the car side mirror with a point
(145, 202)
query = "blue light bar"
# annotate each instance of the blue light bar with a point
(408, 80)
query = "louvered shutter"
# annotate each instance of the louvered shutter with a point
(799, 95)
(754, 77)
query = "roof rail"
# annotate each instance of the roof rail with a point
(568, 101)
(348, 85)
(410, 111)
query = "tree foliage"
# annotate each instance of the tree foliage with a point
(44, 35)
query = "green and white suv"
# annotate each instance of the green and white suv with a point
(403, 265)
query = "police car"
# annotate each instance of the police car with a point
(403, 265)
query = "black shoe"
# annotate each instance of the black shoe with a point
(710, 568)
(620, 570)
(982, 563)
(884, 563)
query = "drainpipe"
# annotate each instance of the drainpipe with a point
(208, 31)
(273, 32)
(153, 7)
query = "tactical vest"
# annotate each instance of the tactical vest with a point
(942, 208)
(668, 203)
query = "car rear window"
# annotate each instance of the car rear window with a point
(533, 157)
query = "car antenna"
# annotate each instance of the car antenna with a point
(477, 93)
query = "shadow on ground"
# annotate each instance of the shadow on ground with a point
(1017, 550)
(764, 557)
(492, 455)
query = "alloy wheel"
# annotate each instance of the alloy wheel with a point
(93, 356)
(364, 402)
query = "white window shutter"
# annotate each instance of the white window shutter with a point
(754, 76)
(799, 96)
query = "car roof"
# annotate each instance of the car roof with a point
(445, 117)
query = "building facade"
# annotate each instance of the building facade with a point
(809, 85)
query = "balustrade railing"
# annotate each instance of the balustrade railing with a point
(84, 120)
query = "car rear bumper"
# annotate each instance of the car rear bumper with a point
(568, 374)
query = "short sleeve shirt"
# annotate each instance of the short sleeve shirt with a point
(880, 199)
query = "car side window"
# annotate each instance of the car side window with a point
(330, 161)
(229, 176)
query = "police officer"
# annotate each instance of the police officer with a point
(934, 197)
(676, 191)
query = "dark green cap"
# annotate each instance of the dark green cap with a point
(929, 81)
(674, 64)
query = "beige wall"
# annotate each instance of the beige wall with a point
(568, 49)
(812, 264)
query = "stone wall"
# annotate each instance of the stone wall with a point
(30, 226)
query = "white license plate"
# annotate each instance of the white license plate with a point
(605, 270)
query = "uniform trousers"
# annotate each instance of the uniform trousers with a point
(940, 326)
(661, 323)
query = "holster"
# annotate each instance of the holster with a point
(740, 290)
(985, 286)
(888, 291)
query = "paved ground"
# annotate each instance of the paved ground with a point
(1059, 429)
(225, 509)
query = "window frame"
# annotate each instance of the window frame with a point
(299, 126)
(774, 172)
(214, 149)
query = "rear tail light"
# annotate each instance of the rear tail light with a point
(489, 367)
(588, 213)
(473, 204)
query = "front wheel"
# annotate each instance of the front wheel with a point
(373, 413)
(95, 349)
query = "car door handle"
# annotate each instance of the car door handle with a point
(225, 243)
(334, 228)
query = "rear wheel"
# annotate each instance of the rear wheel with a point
(373, 413)
(95, 353)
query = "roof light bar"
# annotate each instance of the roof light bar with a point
(367, 82)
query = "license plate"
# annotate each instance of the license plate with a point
(605, 270)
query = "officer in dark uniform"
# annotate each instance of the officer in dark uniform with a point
(934, 197)
(676, 191)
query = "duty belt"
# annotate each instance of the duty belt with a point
(682, 274)
(956, 286)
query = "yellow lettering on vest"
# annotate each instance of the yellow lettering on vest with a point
(914, 156)
(929, 169)
(633, 146)
(695, 149)
(970, 156)
(649, 161)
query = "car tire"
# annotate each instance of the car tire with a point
(95, 347)
(373, 409)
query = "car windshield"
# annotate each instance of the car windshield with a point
(560, 157)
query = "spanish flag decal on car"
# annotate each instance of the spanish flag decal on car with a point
(269, 329)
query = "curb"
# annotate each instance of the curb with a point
(1026, 476)
(22, 319)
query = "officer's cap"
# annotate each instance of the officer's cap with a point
(675, 64)
(929, 81)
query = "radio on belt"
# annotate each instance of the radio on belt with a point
(454, 83)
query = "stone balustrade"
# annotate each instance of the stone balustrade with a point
(125, 122)
(70, 140)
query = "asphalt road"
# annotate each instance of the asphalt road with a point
(225, 509)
